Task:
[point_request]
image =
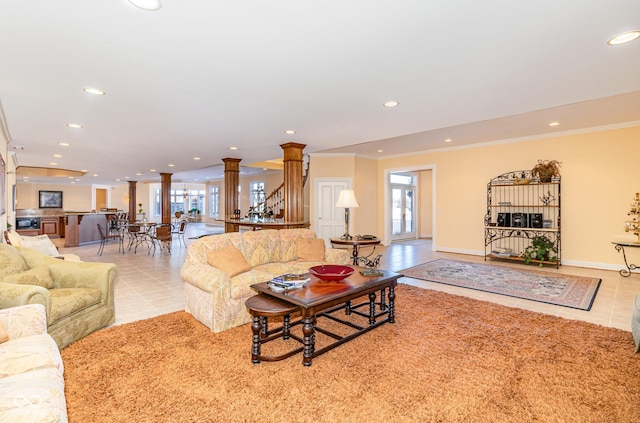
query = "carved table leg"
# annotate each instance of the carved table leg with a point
(383, 298)
(372, 308)
(286, 327)
(392, 302)
(307, 340)
(255, 345)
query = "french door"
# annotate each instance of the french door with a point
(403, 222)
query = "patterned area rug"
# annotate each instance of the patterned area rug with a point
(545, 287)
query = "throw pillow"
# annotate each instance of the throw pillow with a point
(41, 244)
(4, 336)
(15, 238)
(37, 276)
(11, 261)
(229, 260)
(310, 249)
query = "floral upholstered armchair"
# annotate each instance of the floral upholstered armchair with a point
(77, 296)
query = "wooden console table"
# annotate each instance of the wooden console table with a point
(264, 224)
(619, 245)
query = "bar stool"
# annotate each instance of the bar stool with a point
(262, 307)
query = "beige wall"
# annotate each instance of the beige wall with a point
(79, 197)
(425, 195)
(600, 175)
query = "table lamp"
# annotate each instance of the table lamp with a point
(346, 199)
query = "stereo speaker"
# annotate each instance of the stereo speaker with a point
(518, 220)
(535, 220)
(504, 219)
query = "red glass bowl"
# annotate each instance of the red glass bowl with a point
(331, 272)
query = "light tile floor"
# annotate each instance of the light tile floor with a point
(149, 285)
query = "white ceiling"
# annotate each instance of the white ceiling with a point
(200, 76)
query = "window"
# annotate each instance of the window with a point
(257, 193)
(196, 200)
(178, 200)
(214, 201)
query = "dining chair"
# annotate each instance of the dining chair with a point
(160, 236)
(179, 231)
(105, 237)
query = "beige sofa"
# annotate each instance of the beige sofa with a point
(31, 369)
(77, 296)
(216, 297)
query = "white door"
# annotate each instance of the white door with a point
(329, 219)
(403, 221)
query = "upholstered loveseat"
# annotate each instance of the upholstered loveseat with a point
(31, 369)
(219, 269)
(77, 296)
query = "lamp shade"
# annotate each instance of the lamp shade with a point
(347, 199)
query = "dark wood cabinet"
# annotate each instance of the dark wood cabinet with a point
(49, 226)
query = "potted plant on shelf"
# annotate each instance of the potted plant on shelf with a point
(545, 170)
(540, 249)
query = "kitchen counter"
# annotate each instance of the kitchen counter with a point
(82, 228)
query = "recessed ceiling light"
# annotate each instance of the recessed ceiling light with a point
(391, 103)
(95, 174)
(57, 156)
(448, 140)
(233, 148)
(150, 5)
(138, 174)
(74, 125)
(93, 91)
(289, 132)
(171, 165)
(152, 170)
(380, 151)
(196, 158)
(53, 164)
(127, 177)
(625, 37)
(63, 144)
(554, 123)
(118, 180)
(70, 177)
(84, 170)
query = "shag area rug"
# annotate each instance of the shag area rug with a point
(446, 359)
(537, 285)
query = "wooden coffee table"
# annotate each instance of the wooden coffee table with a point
(320, 298)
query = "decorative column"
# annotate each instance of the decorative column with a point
(165, 197)
(132, 201)
(293, 186)
(231, 182)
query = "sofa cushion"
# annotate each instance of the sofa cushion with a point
(11, 261)
(4, 335)
(39, 276)
(40, 243)
(29, 353)
(287, 245)
(310, 249)
(66, 301)
(34, 396)
(260, 247)
(229, 260)
(15, 238)
(241, 284)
